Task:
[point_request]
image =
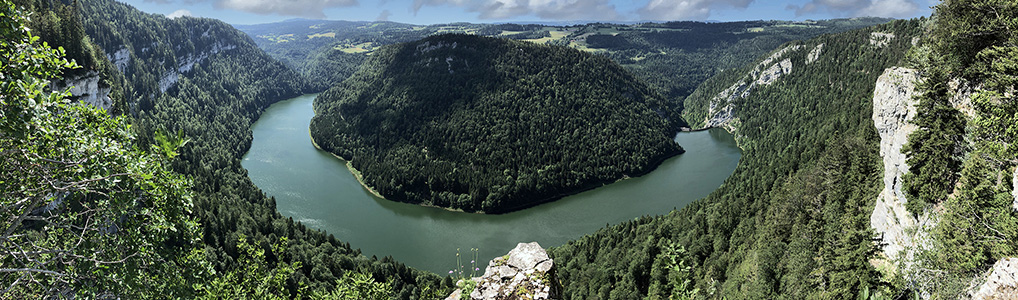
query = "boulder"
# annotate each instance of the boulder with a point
(525, 273)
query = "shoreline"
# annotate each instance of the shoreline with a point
(360, 179)
(650, 168)
(349, 165)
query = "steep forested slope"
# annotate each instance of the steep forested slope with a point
(793, 220)
(207, 81)
(493, 125)
(963, 156)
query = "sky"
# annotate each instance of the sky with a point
(552, 11)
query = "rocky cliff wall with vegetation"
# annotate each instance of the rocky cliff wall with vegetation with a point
(793, 220)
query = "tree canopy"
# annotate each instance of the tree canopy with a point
(493, 125)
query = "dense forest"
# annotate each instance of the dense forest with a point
(194, 86)
(960, 162)
(793, 219)
(492, 125)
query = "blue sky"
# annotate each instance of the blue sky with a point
(495, 11)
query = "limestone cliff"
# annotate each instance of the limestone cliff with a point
(86, 88)
(719, 113)
(525, 273)
(893, 109)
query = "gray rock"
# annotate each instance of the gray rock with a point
(527, 268)
(86, 88)
(719, 110)
(505, 272)
(526, 256)
(814, 54)
(1001, 283)
(893, 108)
(545, 266)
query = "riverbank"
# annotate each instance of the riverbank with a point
(586, 187)
(360, 179)
(349, 165)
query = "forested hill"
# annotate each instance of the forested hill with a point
(792, 222)
(492, 125)
(204, 83)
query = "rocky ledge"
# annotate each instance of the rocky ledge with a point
(1000, 283)
(525, 273)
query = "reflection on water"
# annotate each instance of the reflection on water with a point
(316, 188)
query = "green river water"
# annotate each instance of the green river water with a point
(315, 188)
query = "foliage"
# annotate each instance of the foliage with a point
(792, 222)
(936, 148)
(973, 42)
(85, 212)
(222, 83)
(493, 125)
(355, 286)
(252, 279)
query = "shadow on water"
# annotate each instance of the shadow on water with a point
(316, 188)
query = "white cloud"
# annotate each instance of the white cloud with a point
(179, 13)
(890, 8)
(673, 10)
(859, 8)
(300, 8)
(544, 9)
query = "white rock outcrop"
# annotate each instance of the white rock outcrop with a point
(186, 64)
(525, 273)
(814, 54)
(426, 46)
(961, 96)
(893, 108)
(121, 58)
(85, 88)
(1001, 283)
(719, 110)
(880, 39)
(1014, 189)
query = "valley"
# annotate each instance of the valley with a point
(858, 158)
(315, 188)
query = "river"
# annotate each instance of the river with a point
(315, 188)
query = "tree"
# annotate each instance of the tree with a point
(85, 213)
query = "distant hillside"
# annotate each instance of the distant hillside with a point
(671, 57)
(493, 125)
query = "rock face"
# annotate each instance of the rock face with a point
(768, 71)
(961, 96)
(880, 39)
(525, 273)
(814, 54)
(893, 108)
(87, 89)
(1001, 283)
